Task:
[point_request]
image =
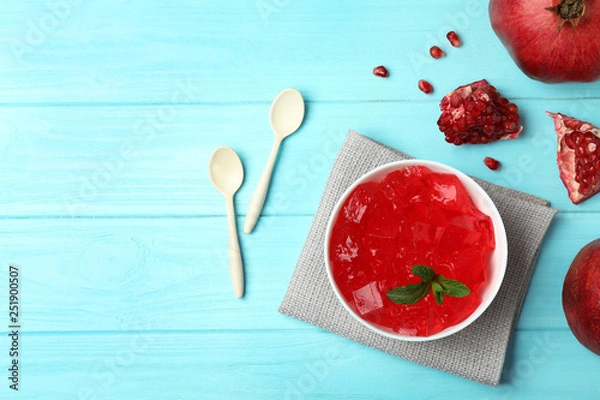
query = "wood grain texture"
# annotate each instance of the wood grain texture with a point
(108, 115)
(133, 50)
(172, 273)
(284, 365)
(153, 160)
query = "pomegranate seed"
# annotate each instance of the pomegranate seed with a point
(569, 141)
(436, 52)
(454, 39)
(425, 87)
(381, 71)
(491, 163)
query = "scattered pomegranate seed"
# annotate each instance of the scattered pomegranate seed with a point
(436, 52)
(381, 71)
(491, 163)
(454, 39)
(425, 87)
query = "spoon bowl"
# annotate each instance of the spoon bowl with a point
(287, 113)
(225, 170)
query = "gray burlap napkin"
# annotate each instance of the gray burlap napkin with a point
(475, 353)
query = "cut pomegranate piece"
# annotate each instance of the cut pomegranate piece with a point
(578, 156)
(477, 113)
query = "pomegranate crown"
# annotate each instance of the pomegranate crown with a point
(568, 11)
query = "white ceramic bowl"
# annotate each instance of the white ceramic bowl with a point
(481, 200)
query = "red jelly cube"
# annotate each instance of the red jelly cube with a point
(356, 205)
(368, 298)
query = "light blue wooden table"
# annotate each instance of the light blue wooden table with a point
(109, 113)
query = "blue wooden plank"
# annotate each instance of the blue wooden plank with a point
(120, 274)
(152, 160)
(133, 51)
(289, 365)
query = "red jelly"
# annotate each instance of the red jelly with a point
(412, 216)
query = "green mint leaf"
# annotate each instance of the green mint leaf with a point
(423, 271)
(452, 287)
(408, 294)
(438, 292)
(440, 286)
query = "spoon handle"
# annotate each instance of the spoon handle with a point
(235, 257)
(260, 193)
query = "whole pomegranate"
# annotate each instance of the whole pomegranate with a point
(550, 40)
(581, 296)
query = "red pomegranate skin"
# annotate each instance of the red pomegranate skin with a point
(581, 296)
(530, 34)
